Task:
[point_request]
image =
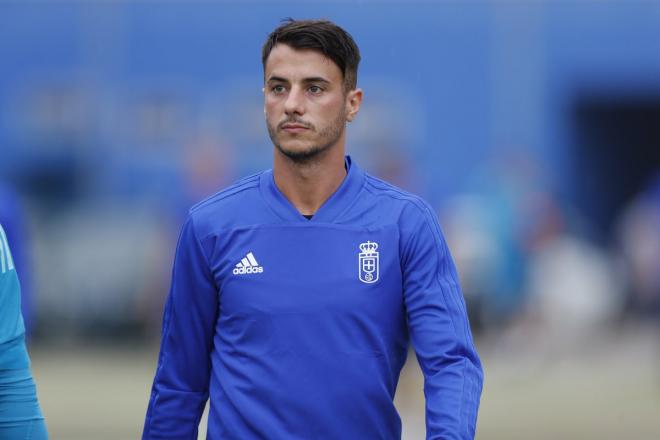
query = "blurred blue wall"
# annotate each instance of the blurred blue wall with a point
(482, 76)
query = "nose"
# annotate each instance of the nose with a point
(294, 103)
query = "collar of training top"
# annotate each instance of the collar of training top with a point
(340, 200)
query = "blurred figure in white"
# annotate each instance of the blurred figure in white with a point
(575, 292)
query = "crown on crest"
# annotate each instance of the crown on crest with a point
(368, 247)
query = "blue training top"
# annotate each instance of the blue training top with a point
(298, 329)
(18, 398)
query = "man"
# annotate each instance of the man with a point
(20, 414)
(295, 290)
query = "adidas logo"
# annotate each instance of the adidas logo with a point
(248, 265)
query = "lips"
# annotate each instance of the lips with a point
(294, 128)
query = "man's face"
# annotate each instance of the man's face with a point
(305, 104)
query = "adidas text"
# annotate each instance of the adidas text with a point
(244, 270)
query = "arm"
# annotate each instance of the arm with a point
(19, 406)
(439, 328)
(12, 330)
(180, 387)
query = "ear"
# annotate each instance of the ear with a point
(353, 102)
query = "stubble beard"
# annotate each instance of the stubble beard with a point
(327, 138)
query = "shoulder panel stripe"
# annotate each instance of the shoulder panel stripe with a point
(242, 185)
(395, 193)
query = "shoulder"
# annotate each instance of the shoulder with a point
(417, 221)
(228, 196)
(226, 203)
(229, 207)
(407, 203)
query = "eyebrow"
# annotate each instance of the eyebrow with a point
(305, 80)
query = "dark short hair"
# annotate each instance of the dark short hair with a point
(322, 35)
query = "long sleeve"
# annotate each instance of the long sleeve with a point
(11, 324)
(13, 354)
(439, 328)
(181, 383)
(19, 406)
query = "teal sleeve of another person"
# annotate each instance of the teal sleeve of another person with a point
(20, 414)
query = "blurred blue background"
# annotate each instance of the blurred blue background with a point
(532, 126)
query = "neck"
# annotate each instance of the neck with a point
(308, 185)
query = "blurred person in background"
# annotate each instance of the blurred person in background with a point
(493, 226)
(639, 242)
(295, 290)
(534, 278)
(20, 414)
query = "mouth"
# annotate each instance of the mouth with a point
(294, 128)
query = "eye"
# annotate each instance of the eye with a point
(315, 90)
(278, 89)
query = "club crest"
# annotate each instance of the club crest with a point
(368, 262)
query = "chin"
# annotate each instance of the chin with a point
(300, 153)
(295, 148)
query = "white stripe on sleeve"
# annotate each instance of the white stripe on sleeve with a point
(2, 255)
(7, 260)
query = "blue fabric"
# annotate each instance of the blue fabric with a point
(297, 329)
(18, 399)
(18, 396)
(28, 430)
(13, 354)
(13, 220)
